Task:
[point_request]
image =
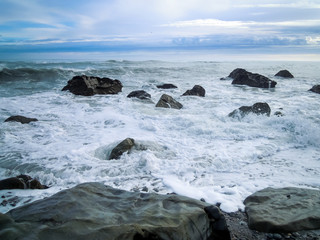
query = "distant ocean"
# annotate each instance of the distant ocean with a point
(197, 151)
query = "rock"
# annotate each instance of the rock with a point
(141, 94)
(21, 119)
(167, 86)
(195, 91)
(257, 108)
(125, 146)
(315, 88)
(283, 210)
(243, 77)
(167, 101)
(88, 86)
(21, 182)
(284, 74)
(95, 211)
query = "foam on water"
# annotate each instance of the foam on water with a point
(197, 151)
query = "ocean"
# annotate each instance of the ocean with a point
(197, 151)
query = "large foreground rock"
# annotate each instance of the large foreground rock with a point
(197, 90)
(88, 86)
(257, 108)
(283, 210)
(315, 88)
(167, 101)
(20, 119)
(243, 77)
(95, 211)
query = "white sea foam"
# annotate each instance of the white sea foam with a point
(197, 151)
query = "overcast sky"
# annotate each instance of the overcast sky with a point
(116, 25)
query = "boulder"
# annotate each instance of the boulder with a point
(315, 88)
(257, 108)
(167, 86)
(284, 74)
(88, 86)
(197, 90)
(125, 146)
(243, 77)
(141, 94)
(167, 101)
(20, 119)
(283, 210)
(21, 182)
(96, 211)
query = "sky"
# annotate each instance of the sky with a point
(287, 27)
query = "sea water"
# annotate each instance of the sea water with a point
(197, 151)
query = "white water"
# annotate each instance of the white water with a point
(197, 151)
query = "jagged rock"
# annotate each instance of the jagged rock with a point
(167, 86)
(284, 74)
(197, 90)
(315, 88)
(89, 85)
(21, 182)
(20, 119)
(95, 211)
(283, 210)
(243, 77)
(125, 146)
(257, 108)
(141, 94)
(167, 101)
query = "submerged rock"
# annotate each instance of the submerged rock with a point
(89, 85)
(20, 119)
(257, 108)
(125, 146)
(243, 77)
(21, 182)
(283, 210)
(284, 74)
(315, 88)
(197, 90)
(167, 86)
(96, 211)
(167, 101)
(141, 94)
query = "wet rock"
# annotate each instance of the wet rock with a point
(197, 90)
(284, 74)
(167, 101)
(283, 210)
(95, 211)
(141, 94)
(167, 86)
(89, 85)
(125, 146)
(243, 77)
(257, 108)
(20, 119)
(21, 182)
(315, 88)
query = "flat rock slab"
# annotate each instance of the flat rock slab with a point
(96, 211)
(283, 210)
(21, 119)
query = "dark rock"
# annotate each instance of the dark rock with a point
(195, 91)
(167, 101)
(284, 74)
(88, 86)
(21, 182)
(243, 77)
(20, 119)
(270, 210)
(167, 86)
(95, 211)
(125, 146)
(279, 114)
(141, 94)
(257, 108)
(315, 88)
